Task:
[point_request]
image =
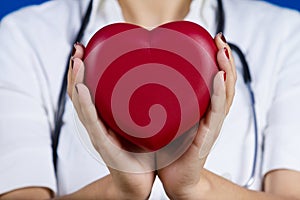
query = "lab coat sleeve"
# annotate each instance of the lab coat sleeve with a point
(25, 131)
(282, 134)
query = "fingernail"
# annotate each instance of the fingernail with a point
(224, 74)
(76, 88)
(226, 53)
(223, 38)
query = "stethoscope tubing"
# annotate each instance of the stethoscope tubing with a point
(220, 28)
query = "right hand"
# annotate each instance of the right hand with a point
(181, 179)
(126, 184)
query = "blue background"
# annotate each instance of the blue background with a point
(7, 6)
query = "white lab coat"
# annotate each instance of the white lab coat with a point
(35, 44)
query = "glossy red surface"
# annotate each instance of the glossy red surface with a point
(150, 87)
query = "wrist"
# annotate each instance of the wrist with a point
(188, 193)
(196, 191)
(121, 191)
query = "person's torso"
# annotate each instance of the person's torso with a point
(232, 155)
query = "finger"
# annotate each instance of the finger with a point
(78, 71)
(221, 43)
(77, 53)
(107, 145)
(210, 126)
(75, 75)
(77, 107)
(230, 81)
(78, 50)
(88, 116)
(217, 109)
(104, 140)
(218, 98)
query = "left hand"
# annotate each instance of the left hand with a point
(180, 178)
(130, 176)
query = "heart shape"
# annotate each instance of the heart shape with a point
(150, 87)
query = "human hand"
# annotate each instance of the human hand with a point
(180, 179)
(125, 182)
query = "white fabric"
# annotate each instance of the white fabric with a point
(35, 43)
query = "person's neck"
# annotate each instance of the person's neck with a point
(152, 13)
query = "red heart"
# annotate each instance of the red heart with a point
(151, 86)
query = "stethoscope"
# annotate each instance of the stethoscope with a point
(220, 28)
